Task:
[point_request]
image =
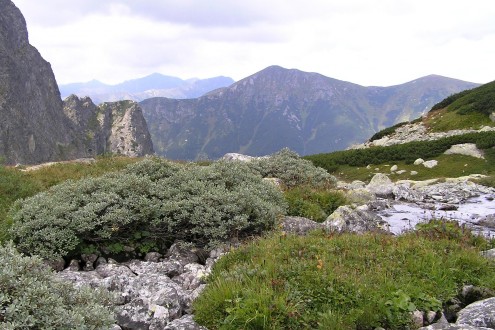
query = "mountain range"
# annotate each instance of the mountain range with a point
(153, 85)
(277, 107)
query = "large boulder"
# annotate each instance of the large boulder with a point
(381, 185)
(298, 225)
(467, 149)
(347, 219)
(478, 314)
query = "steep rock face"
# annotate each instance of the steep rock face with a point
(277, 108)
(112, 127)
(33, 127)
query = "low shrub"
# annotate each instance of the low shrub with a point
(32, 298)
(314, 204)
(347, 281)
(146, 207)
(407, 152)
(292, 170)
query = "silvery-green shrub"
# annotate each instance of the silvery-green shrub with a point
(151, 204)
(292, 170)
(32, 298)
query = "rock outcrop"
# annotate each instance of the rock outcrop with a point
(33, 125)
(149, 294)
(112, 127)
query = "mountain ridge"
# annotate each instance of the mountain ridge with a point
(277, 107)
(153, 85)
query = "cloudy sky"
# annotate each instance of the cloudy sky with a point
(380, 42)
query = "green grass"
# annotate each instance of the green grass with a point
(443, 120)
(312, 203)
(338, 281)
(449, 166)
(15, 184)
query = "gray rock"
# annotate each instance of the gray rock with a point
(135, 315)
(346, 219)
(381, 185)
(394, 168)
(487, 221)
(401, 172)
(419, 161)
(359, 196)
(478, 314)
(89, 261)
(153, 256)
(298, 225)
(168, 268)
(430, 163)
(237, 157)
(417, 318)
(183, 254)
(107, 270)
(186, 322)
(490, 254)
(74, 265)
(470, 294)
(467, 149)
(56, 264)
(414, 173)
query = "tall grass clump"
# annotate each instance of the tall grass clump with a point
(146, 207)
(344, 281)
(32, 298)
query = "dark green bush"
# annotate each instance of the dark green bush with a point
(315, 204)
(148, 206)
(32, 298)
(407, 152)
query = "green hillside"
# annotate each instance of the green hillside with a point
(469, 109)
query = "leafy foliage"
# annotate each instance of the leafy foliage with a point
(337, 281)
(315, 204)
(31, 297)
(480, 99)
(149, 205)
(15, 184)
(292, 170)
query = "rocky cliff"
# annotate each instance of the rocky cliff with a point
(33, 125)
(112, 127)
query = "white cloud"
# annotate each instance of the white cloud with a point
(379, 42)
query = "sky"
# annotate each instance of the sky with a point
(371, 43)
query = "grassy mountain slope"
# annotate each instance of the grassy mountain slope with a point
(470, 109)
(277, 108)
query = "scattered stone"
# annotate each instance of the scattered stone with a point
(467, 149)
(89, 261)
(430, 163)
(419, 161)
(478, 314)
(394, 168)
(57, 264)
(346, 219)
(417, 318)
(153, 257)
(490, 254)
(430, 317)
(298, 225)
(447, 207)
(414, 173)
(381, 185)
(401, 172)
(487, 221)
